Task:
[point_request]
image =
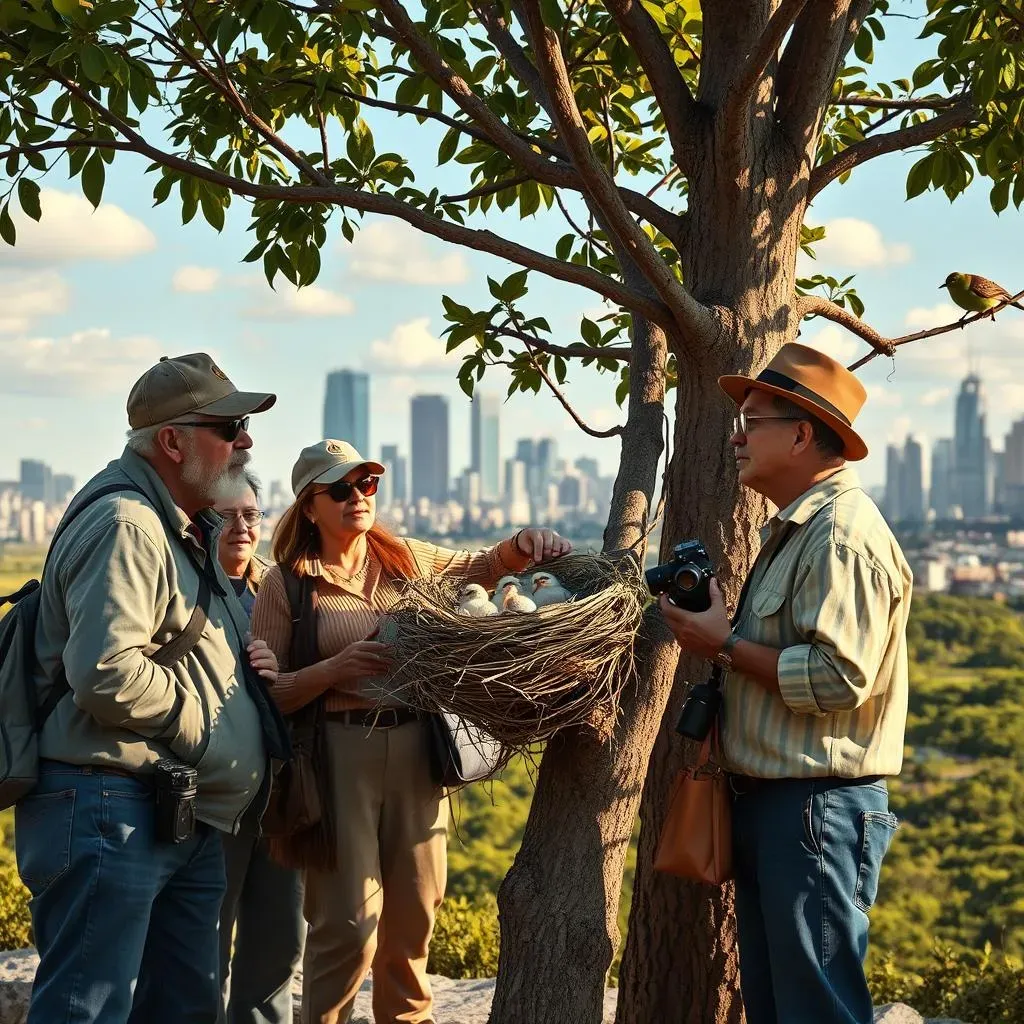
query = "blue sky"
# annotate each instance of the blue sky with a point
(88, 301)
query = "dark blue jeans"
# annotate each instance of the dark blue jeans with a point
(807, 856)
(126, 927)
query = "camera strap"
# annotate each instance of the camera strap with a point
(717, 676)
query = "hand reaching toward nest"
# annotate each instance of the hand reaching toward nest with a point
(541, 544)
(357, 661)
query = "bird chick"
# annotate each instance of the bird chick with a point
(976, 294)
(513, 601)
(499, 590)
(547, 589)
(473, 601)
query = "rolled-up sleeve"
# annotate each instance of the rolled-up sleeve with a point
(842, 607)
(484, 567)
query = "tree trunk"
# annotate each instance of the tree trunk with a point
(559, 902)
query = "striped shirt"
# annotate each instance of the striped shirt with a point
(835, 600)
(349, 611)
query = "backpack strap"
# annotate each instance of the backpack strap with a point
(303, 603)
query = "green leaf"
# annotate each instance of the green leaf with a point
(514, 286)
(7, 230)
(864, 45)
(162, 189)
(449, 144)
(920, 176)
(93, 177)
(93, 65)
(590, 332)
(28, 196)
(999, 197)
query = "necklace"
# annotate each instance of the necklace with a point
(357, 575)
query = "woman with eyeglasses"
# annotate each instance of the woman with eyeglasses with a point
(262, 908)
(377, 908)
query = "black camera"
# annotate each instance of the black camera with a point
(176, 786)
(685, 577)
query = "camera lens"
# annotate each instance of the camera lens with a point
(687, 578)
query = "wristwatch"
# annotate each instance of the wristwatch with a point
(724, 656)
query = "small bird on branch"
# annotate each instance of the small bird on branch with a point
(977, 294)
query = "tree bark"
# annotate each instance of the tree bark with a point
(559, 902)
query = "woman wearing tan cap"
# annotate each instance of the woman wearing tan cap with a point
(376, 909)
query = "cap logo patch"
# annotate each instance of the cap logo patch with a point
(334, 448)
(217, 371)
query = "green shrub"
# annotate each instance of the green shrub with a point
(964, 985)
(15, 924)
(465, 942)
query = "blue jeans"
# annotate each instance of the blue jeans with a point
(126, 927)
(263, 907)
(807, 856)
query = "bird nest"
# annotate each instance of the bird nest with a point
(521, 677)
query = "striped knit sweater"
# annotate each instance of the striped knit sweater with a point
(349, 612)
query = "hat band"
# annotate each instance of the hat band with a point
(780, 380)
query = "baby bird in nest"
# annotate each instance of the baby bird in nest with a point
(474, 602)
(547, 589)
(513, 601)
(499, 590)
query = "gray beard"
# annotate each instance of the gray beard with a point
(211, 486)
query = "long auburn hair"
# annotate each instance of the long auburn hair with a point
(296, 542)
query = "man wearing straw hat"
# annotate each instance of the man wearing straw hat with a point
(815, 699)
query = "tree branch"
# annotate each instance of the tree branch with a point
(740, 94)
(620, 353)
(487, 190)
(890, 142)
(886, 103)
(674, 99)
(504, 42)
(691, 316)
(815, 305)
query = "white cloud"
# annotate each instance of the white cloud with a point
(393, 251)
(604, 417)
(883, 395)
(71, 230)
(287, 303)
(26, 297)
(833, 341)
(899, 428)
(410, 346)
(195, 279)
(935, 396)
(91, 361)
(923, 318)
(853, 244)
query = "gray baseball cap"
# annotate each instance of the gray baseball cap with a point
(328, 461)
(184, 385)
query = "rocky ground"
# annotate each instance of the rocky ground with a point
(456, 1002)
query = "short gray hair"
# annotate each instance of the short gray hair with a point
(142, 440)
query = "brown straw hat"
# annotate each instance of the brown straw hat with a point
(813, 381)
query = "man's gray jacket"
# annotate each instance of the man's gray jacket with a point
(121, 581)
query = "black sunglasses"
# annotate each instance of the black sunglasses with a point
(227, 430)
(341, 490)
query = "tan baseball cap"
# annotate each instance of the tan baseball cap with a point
(189, 384)
(328, 461)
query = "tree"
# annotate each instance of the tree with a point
(737, 114)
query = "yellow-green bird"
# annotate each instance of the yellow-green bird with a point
(977, 294)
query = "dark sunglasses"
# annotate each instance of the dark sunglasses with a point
(341, 490)
(227, 430)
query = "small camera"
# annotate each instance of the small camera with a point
(686, 577)
(176, 788)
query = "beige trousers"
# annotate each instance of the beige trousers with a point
(378, 909)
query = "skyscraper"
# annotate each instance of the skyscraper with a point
(347, 409)
(912, 503)
(942, 478)
(485, 447)
(893, 484)
(430, 448)
(1013, 469)
(398, 471)
(547, 459)
(970, 450)
(36, 483)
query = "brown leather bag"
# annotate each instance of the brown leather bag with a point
(696, 838)
(299, 819)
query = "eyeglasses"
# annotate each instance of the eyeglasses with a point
(227, 430)
(741, 422)
(341, 490)
(249, 516)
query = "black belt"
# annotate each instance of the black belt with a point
(383, 718)
(748, 785)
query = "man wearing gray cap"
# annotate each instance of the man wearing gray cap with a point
(157, 729)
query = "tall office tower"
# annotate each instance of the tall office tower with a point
(63, 487)
(485, 446)
(517, 495)
(970, 450)
(36, 483)
(941, 494)
(893, 484)
(547, 460)
(430, 448)
(398, 470)
(347, 409)
(1013, 470)
(912, 498)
